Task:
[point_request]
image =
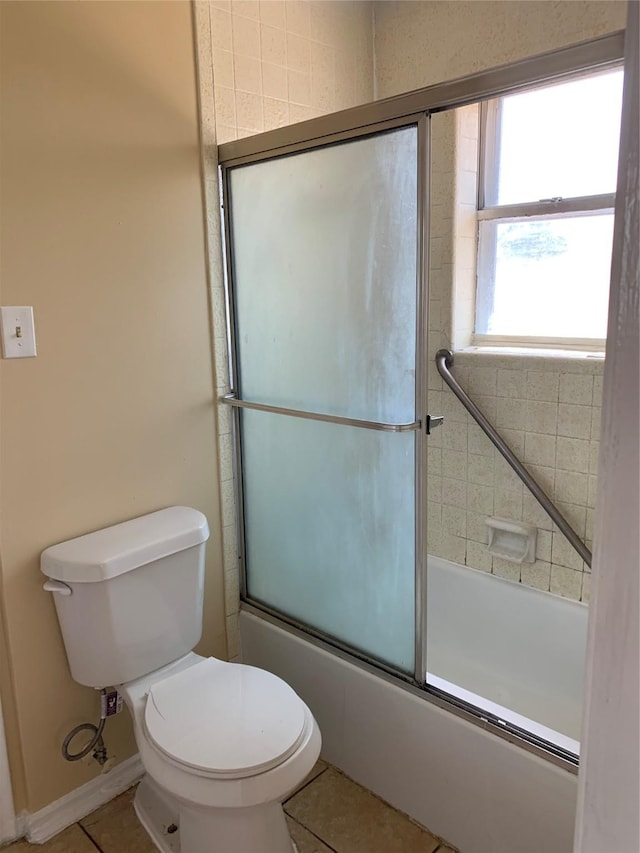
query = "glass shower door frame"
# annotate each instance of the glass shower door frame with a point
(422, 124)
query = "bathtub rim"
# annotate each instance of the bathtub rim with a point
(472, 714)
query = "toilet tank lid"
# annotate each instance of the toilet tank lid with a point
(115, 550)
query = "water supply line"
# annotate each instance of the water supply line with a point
(444, 360)
(95, 745)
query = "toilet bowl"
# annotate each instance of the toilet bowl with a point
(222, 744)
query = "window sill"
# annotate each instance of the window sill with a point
(533, 352)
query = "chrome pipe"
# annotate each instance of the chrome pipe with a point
(232, 400)
(444, 360)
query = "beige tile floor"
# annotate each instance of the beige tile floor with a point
(328, 812)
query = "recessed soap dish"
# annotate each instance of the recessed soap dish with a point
(512, 540)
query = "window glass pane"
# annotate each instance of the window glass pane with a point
(561, 140)
(551, 277)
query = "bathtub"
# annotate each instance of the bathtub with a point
(514, 651)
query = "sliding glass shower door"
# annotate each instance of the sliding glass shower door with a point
(325, 291)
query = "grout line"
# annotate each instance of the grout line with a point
(315, 834)
(86, 832)
(306, 784)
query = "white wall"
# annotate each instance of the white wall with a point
(609, 790)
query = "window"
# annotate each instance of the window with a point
(545, 213)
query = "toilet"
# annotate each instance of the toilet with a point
(222, 744)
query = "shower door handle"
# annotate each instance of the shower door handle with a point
(433, 421)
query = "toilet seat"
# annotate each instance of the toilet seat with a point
(224, 720)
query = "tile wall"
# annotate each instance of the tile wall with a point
(548, 411)
(276, 63)
(546, 408)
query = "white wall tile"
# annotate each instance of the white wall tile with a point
(246, 36)
(480, 499)
(510, 413)
(477, 527)
(540, 449)
(298, 53)
(566, 582)
(434, 460)
(434, 487)
(537, 575)
(454, 464)
(543, 545)
(274, 45)
(246, 8)
(574, 421)
(515, 440)
(455, 548)
(571, 487)
(508, 504)
(249, 114)
(478, 441)
(276, 113)
(247, 74)
(487, 405)
(573, 454)
(480, 469)
(597, 390)
(576, 388)
(533, 513)
(223, 65)
(576, 515)
(511, 383)
(454, 492)
(273, 14)
(542, 385)
(298, 18)
(506, 569)
(274, 82)
(541, 417)
(220, 29)
(454, 521)
(482, 380)
(563, 554)
(545, 476)
(478, 557)
(454, 436)
(505, 477)
(586, 588)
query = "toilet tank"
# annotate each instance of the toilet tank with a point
(129, 597)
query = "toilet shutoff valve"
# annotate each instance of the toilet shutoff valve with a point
(110, 704)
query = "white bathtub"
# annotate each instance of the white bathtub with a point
(506, 643)
(515, 651)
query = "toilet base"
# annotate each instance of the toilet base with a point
(158, 814)
(178, 828)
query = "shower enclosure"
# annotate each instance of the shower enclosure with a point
(328, 258)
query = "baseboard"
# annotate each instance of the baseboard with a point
(52, 819)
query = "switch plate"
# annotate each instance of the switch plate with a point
(18, 331)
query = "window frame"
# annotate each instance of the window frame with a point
(542, 210)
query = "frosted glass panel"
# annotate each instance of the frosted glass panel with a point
(324, 266)
(329, 529)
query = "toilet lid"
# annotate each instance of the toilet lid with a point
(225, 719)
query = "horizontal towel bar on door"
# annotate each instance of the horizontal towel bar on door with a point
(232, 400)
(444, 360)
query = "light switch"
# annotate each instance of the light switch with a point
(18, 331)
